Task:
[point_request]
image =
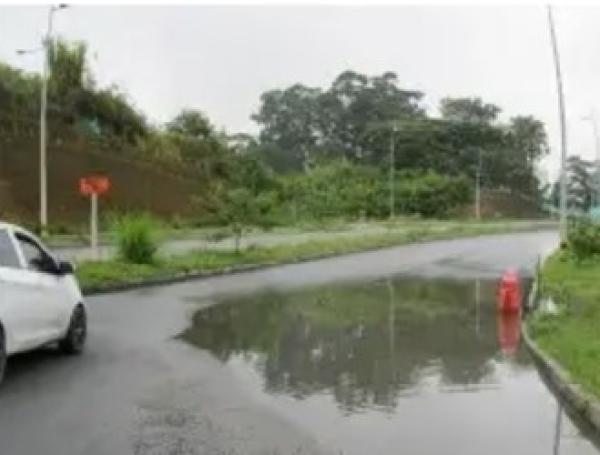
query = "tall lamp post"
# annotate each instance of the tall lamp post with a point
(46, 43)
(563, 129)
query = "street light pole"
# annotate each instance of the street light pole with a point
(563, 130)
(43, 112)
(46, 43)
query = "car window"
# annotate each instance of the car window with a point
(35, 257)
(8, 254)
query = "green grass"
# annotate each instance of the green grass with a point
(101, 274)
(572, 337)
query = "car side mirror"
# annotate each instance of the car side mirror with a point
(65, 268)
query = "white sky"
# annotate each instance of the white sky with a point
(221, 58)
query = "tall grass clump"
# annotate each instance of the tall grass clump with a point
(584, 239)
(137, 238)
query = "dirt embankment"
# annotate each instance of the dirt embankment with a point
(135, 186)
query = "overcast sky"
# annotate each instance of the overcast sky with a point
(220, 59)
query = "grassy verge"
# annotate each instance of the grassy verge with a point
(95, 275)
(572, 336)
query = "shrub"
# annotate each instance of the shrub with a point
(584, 239)
(352, 191)
(430, 195)
(333, 190)
(137, 238)
(239, 209)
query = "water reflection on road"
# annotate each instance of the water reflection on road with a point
(421, 366)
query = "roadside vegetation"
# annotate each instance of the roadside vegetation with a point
(137, 238)
(570, 277)
(98, 275)
(320, 153)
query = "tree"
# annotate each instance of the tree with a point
(525, 144)
(468, 110)
(107, 113)
(67, 79)
(241, 143)
(68, 68)
(580, 188)
(354, 102)
(579, 183)
(201, 149)
(289, 121)
(248, 171)
(19, 100)
(75, 101)
(306, 124)
(239, 208)
(191, 123)
(528, 135)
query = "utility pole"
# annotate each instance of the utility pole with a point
(306, 159)
(478, 187)
(563, 130)
(46, 43)
(596, 180)
(392, 171)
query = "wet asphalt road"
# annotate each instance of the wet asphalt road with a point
(139, 390)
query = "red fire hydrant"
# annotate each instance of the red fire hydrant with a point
(509, 292)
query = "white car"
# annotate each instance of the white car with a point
(40, 299)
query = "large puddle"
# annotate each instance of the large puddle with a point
(403, 365)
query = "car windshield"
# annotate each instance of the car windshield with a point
(8, 254)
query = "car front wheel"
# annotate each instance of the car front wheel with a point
(74, 340)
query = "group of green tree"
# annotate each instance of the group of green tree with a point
(583, 185)
(319, 152)
(358, 117)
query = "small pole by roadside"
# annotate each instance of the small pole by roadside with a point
(94, 224)
(478, 188)
(392, 171)
(94, 186)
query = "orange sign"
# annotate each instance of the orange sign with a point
(94, 184)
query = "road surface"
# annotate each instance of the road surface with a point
(139, 389)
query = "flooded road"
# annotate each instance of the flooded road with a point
(409, 364)
(395, 351)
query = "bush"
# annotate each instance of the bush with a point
(344, 190)
(584, 239)
(329, 191)
(137, 238)
(239, 209)
(430, 195)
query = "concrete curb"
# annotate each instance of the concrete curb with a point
(198, 274)
(581, 402)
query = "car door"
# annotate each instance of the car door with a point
(41, 269)
(18, 296)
